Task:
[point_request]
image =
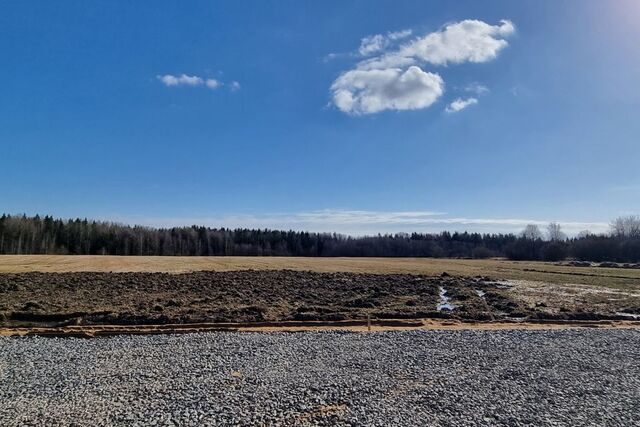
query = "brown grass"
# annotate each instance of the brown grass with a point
(496, 269)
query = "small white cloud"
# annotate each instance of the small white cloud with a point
(193, 81)
(213, 83)
(460, 104)
(182, 80)
(338, 55)
(371, 91)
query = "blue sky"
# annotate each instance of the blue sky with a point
(327, 116)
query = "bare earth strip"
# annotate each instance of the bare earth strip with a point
(350, 326)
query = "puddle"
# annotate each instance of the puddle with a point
(480, 293)
(629, 315)
(445, 305)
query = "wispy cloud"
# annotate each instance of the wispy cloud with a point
(170, 80)
(477, 88)
(358, 222)
(372, 44)
(460, 104)
(393, 79)
(398, 35)
(378, 42)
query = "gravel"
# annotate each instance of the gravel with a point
(515, 378)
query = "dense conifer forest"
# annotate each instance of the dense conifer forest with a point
(45, 235)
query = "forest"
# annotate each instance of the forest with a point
(21, 234)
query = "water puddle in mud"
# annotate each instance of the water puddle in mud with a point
(504, 284)
(445, 305)
(629, 315)
(480, 293)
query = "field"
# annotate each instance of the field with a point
(496, 269)
(78, 290)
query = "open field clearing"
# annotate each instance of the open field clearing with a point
(76, 291)
(439, 378)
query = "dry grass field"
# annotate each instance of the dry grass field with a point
(496, 269)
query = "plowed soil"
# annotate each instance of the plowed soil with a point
(91, 298)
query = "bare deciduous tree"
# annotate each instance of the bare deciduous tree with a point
(555, 233)
(626, 226)
(531, 232)
(584, 234)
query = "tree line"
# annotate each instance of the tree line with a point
(46, 235)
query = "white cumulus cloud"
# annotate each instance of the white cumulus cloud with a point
(465, 41)
(371, 91)
(460, 104)
(395, 79)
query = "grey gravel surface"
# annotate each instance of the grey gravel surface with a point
(588, 377)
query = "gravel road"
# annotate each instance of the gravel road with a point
(587, 377)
